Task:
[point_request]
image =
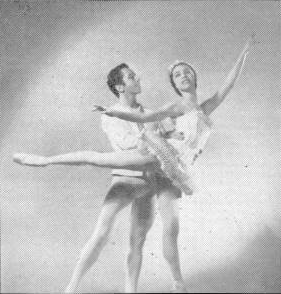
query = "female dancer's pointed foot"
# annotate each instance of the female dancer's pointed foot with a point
(30, 159)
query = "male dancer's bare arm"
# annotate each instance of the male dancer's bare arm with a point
(211, 104)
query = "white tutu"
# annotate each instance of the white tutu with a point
(177, 157)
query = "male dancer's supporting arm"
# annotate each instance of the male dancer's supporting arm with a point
(211, 104)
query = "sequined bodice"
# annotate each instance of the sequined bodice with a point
(196, 127)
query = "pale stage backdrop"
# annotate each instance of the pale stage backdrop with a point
(55, 56)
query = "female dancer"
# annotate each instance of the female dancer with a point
(175, 149)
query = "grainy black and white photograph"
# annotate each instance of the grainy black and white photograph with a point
(140, 146)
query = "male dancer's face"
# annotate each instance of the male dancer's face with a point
(131, 82)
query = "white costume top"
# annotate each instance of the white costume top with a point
(123, 135)
(196, 127)
(176, 156)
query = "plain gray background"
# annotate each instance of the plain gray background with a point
(55, 56)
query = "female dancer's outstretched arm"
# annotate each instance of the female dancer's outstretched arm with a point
(167, 110)
(211, 104)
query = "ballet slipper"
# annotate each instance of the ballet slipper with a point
(30, 159)
(178, 287)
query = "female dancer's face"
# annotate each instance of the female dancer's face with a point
(184, 78)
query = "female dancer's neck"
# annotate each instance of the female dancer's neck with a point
(189, 100)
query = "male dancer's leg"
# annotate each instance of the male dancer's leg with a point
(116, 199)
(142, 217)
(122, 193)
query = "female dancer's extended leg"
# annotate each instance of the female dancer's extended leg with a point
(127, 159)
(133, 159)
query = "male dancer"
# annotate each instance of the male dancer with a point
(128, 186)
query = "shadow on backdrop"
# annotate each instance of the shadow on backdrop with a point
(256, 270)
(32, 35)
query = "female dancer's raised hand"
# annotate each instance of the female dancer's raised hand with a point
(251, 41)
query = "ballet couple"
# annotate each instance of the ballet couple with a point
(154, 151)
